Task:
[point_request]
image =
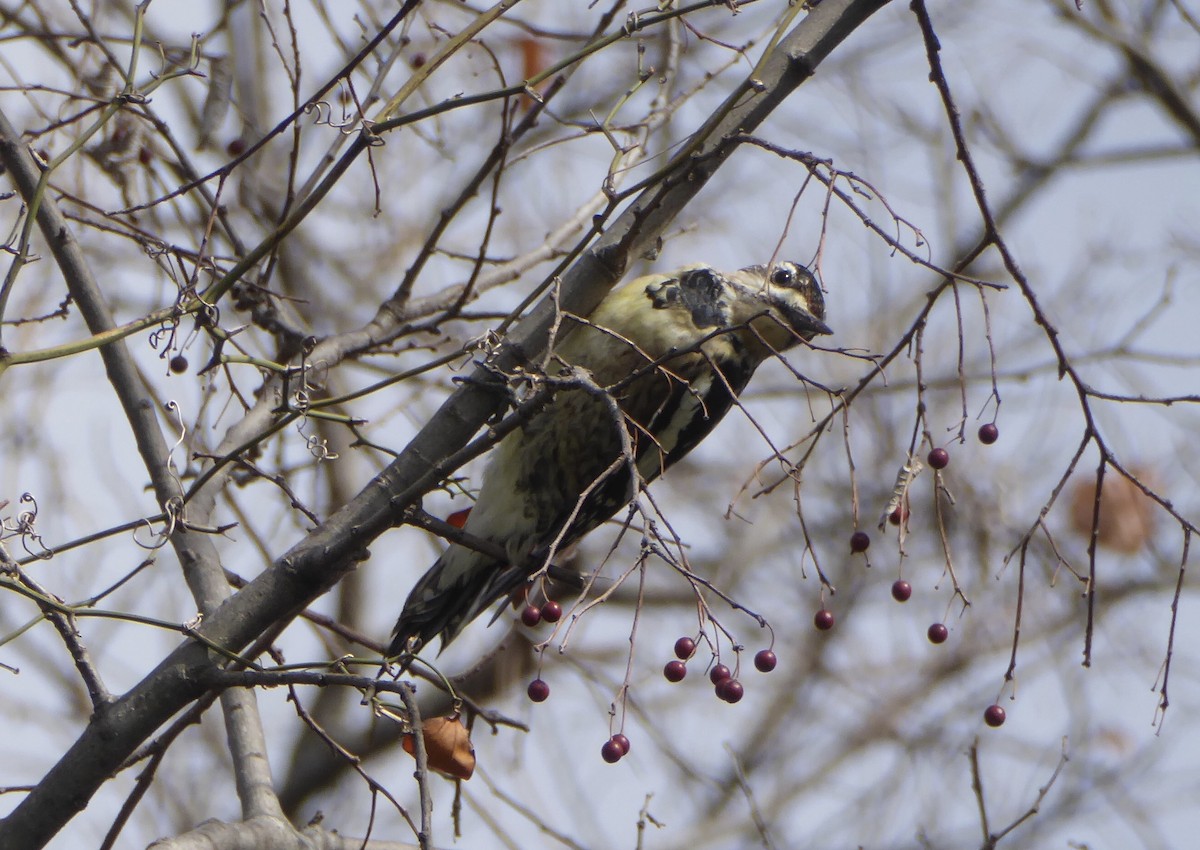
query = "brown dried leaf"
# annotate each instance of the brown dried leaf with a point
(1126, 514)
(448, 746)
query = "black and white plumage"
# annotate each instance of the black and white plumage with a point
(707, 331)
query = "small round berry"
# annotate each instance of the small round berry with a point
(236, 147)
(178, 364)
(551, 612)
(531, 615)
(765, 661)
(538, 690)
(989, 433)
(718, 674)
(145, 154)
(674, 671)
(823, 620)
(939, 458)
(901, 590)
(859, 541)
(994, 716)
(684, 648)
(897, 516)
(938, 633)
(622, 742)
(730, 690)
(611, 751)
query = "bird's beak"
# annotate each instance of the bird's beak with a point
(817, 326)
(805, 323)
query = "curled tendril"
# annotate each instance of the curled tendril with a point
(173, 511)
(175, 505)
(30, 515)
(322, 108)
(157, 541)
(154, 248)
(351, 124)
(25, 527)
(173, 407)
(164, 337)
(301, 399)
(318, 447)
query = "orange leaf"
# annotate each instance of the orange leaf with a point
(533, 60)
(447, 745)
(1127, 515)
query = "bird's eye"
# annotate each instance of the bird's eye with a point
(783, 276)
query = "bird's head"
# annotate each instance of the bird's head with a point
(783, 303)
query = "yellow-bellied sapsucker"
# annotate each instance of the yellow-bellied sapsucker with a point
(673, 351)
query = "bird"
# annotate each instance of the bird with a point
(663, 358)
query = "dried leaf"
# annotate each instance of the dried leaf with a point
(448, 746)
(1126, 514)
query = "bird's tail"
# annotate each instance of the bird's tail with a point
(449, 596)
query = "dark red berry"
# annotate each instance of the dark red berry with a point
(531, 615)
(765, 661)
(859, 541)
(551, 612)
(823, 620)
(938, 633)
(538, 690)
(236, 147)
(684, 647)
(994, 716)
(145, 154)
(622, 742)
(897, 516)
(901, 590)
(611, 752)
(178, 364)
(939, 458)
(674, 671)
(719, 673)
(417, 60)
(989, 433)
(730, 690)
